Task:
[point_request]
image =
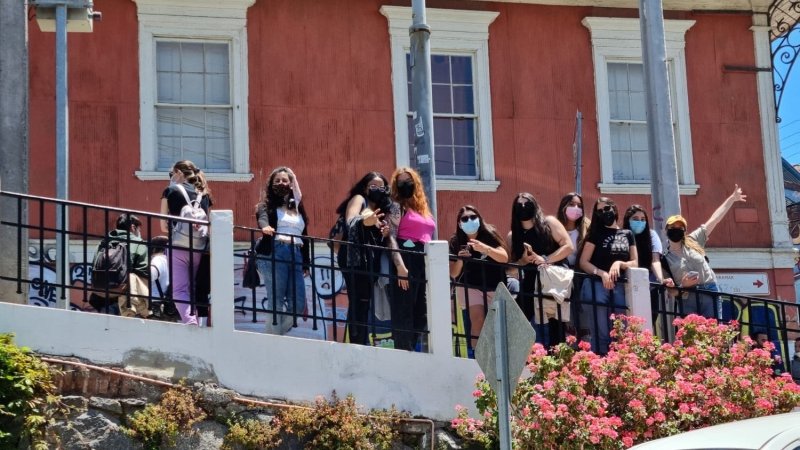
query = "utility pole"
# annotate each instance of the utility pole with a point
(660, 135)
(422, 101)
(62, 16)
(578, 151)
(13, 143)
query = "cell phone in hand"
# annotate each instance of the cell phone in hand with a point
(693, 274)
(464, 248)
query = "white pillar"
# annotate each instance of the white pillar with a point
(437, 273)
(773, 168)
(222, 271)
(637, 296)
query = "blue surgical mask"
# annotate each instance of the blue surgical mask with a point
(471, 226)
(637, 226)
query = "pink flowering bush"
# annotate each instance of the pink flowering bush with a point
(642, 390)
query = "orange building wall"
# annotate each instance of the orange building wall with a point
(320, 101)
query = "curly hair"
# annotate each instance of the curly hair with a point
(418, 202)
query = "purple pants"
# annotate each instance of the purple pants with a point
(184, 278)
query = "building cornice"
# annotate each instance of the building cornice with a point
(678, 5)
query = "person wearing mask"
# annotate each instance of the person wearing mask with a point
(686, 258)
(363, 210)
(607, 252)
(534, 240)
(283, 249)
(412, 225)
(570, 214)
(648, 247)
(477, 245)
(185, 187)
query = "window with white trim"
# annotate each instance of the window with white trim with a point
(193, 87)
(621, 104)
(463, 144)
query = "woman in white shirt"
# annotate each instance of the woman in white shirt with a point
(283, 250)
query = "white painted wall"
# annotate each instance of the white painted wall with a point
(429, 384)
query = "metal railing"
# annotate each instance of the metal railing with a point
(89, 226)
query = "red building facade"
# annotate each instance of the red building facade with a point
(243, 86)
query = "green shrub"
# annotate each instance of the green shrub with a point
(159, 424)
(28, 399)
(252, 434)
(337, 425)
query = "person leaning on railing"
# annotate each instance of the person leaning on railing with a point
(570, 214)
(607, 252)
(474, 239)
(412, 225)
(537, 240)
(686, 258)
(281, 216)
(363, 210)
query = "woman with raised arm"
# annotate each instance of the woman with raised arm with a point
(412, 225)
(474, 241)
(283, 249)
(185, 187)
(607, 252)
(535, 240)
(686, 258)
(363, 210)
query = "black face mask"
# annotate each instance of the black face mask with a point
(608, 217)
(281, 190)
(526, 211)
(405, 189)
(675, 234)
(376, 196)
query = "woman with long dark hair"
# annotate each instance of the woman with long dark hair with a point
(283, 250)
(363, 210)
(648, 246)
(607, 252)
(186, 185)
(412, 225)
(476, 241)
(535, 240)
(570, 214)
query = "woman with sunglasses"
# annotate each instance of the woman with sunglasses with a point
(412, 225)
(283, 254)
(185, 182)
(536, 239)
(607, 252)
(363, 210)
(686, 260)
(474, 242)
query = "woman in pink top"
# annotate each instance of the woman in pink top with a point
(412, 225)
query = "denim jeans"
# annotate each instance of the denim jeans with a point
(286, 290)
(598, 308)
(704, 304)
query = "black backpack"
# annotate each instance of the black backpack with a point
(168, 309)
(110, 266)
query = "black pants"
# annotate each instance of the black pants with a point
(529, 301)
(409, 306)
(359, 295)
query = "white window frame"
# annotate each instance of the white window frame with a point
(454, 32)
(203, 20)
(619, 40)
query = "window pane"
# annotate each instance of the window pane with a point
(199, 134)
(218, 124)
(192, 88)
(191, 57)
(168, 152)
(630, 155)
(464, 158)
(216, 60)
(463, 103)
(168, 122)
(168, 57)
(193, 123)
(640, 162)
(440, 69)
(444, 160)
(194, 149)
(462, 69)
(443, 131)
(464, 132)
(441, 99)
(217, 90)
(169, 87)
(218, 151)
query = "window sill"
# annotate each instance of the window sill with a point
(612, 188)
(467, 185)
(226, 177)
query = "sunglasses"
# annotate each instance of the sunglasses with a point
(379, 188)
(465, 219)
(171, 173)
(606, 208)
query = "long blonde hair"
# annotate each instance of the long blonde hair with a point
(418, 202)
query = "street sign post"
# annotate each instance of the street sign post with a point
(502, 351)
